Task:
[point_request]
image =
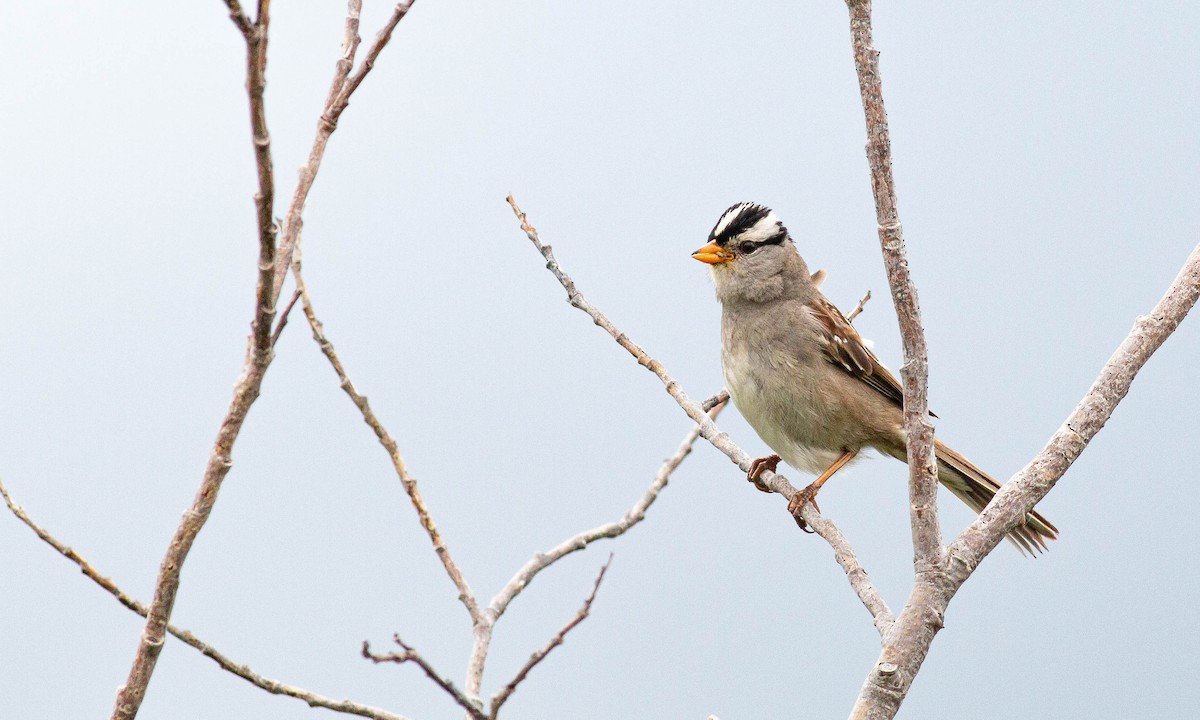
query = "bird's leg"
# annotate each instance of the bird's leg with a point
(809, 494)
(769, 462)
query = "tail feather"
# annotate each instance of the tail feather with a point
(976, 488)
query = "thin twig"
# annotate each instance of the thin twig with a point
(340, 89)
(410, 654)
(636, 514)
(718, 399)
(499, 698)
(861, 304)
(238, 16)
(381, 41)
(707, 428)
(283, 318)
(465, 595)
(543, 560)
(272, 686)
(258, 358)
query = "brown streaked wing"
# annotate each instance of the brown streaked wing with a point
(844, 347)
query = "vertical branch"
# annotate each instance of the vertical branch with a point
(922, 485)
(246, 390)
(272, 267)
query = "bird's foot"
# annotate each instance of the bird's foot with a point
(799, 500)
(769, 462)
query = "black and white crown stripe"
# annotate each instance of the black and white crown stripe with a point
(748, 222)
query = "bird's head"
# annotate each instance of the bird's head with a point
(751, 255)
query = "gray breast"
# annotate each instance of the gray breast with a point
(764, 364)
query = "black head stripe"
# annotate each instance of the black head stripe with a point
(742, 217)
(778, 237)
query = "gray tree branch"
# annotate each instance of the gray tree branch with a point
(272, 266)
(465, 595)
(410, 654)
(575, 543)
(272, 686)
(340, 89)
(914, 373)
(907, 645)
(540, 654)
(941, 573)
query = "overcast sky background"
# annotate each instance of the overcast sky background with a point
(1046, 159)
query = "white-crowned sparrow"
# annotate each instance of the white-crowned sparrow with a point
(801, 375)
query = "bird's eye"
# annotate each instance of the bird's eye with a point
(748, 247)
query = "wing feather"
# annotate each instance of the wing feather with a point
(844, 347)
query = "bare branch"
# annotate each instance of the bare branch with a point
(541, 561)
(1030, 485)
(707, 428)
(238, 16)
(272, 686)
(636, 514)
(340, 89)
(860, 582)
(914, 373)
(861, 304)
(258, 358)
(381, 41)
(908, 643)
(283, 318)
(499, 698)
(719, 399)
(409, 654)
(465, 595)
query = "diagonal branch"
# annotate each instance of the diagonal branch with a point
(914, 373)
(272, 686)
(859, 308)
(856, 574)
(636, 514)
(258, 358)
(707, 428)
(409, 654)
(907, 645)
(541, 561)
(1030, 485)
(465, 595)
(340, 89)
(501, 697)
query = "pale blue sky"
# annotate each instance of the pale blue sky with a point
(1046, 162)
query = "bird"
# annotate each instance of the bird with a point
(803, 377)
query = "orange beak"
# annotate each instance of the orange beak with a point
(713, 254)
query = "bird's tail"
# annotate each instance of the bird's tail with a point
(976, 488)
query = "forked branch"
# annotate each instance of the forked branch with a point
(499, 698)
(940, 574)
